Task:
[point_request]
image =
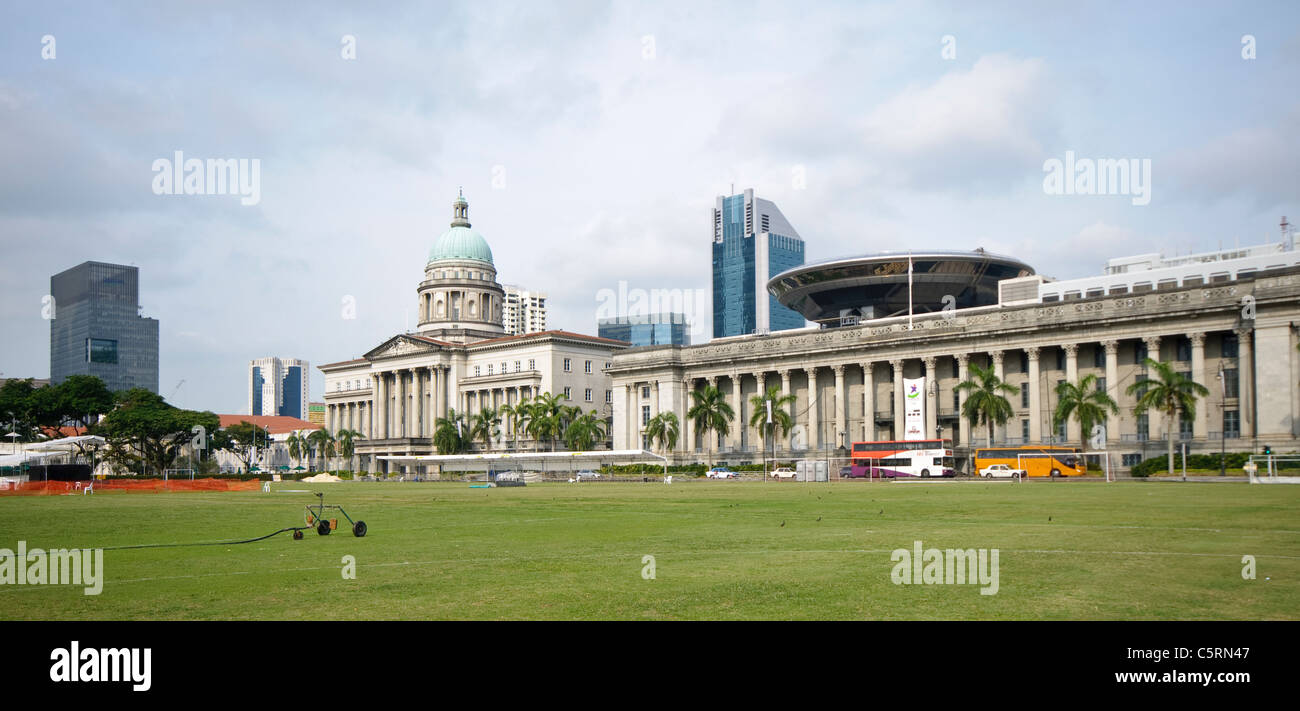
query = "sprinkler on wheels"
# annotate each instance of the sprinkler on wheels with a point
(315, 518)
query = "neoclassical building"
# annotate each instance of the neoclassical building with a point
(460, 357)
(1237, 335)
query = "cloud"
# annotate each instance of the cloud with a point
(1260, 163)
(983, 128)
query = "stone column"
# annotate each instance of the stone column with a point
(1246, 382)
(737, 437)
(899, 407)
(785, 390)
(868, 401)
(1073, 431)
(814, 422)
(963, 373)
(1035, 395)
(840, 427)
(1155, 420)
(710, 436)
(931, 397)
(997, 356)
(687, 438)
(1200, 427)
(756, 433)
(1112, 388)
(633, 424)
(381, 405)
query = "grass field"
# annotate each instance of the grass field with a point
(1067, 550)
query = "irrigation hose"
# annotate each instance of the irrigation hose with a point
(208, 543)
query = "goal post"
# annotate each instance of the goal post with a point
(169, 474)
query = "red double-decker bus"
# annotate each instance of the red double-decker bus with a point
(898, 458)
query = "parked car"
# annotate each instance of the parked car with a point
(998, 471)
(587, 475)
(721, 473)
(783, 473)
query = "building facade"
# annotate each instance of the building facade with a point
(278, 387)
(525, 311)
(96, 327)
(752, 242)
(1238, 338)
(461, 359)
(660, 329)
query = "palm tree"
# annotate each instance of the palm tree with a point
(484, 426)
(449, 433)
(323, 442)
(985, 403)
(664, 429)
(1171, 393)
(711, 413)
(514, 416)
(782, 423)
(1085, 402)
(545, 418)
(298, 446)
(347, 445)
(584, 431)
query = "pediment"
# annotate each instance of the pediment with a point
(400, 345)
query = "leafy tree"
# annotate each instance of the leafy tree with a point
(512, 415)
(243, 439)
(1171, 393)
(83, 398)
(782, 423)
(664, 429)
(985, 402)
(16, 406)
(148, 430)
(711, 414)
(1085, 403)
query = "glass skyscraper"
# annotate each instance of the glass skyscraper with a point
(752, 242)
(650, 330)
(96, 327)
(278, 386)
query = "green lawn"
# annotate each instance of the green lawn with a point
(1067, 550)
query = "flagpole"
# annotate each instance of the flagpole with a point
(909, 289)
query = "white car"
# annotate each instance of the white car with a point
(721, 473)
(997, 471)
(587, 474)
(783, 473)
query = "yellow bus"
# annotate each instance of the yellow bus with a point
(1035, 460)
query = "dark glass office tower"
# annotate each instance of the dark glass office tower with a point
(97, 329)
(752, 242)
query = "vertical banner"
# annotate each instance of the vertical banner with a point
(914, 408)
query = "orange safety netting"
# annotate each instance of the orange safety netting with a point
(54, 488)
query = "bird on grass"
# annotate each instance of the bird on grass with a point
(819, 518)
(783, 524)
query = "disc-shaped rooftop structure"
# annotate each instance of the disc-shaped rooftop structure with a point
(841, 291)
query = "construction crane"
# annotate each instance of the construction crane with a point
(176, 390)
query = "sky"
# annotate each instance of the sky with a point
(591, 140)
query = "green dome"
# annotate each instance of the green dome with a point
(461, 243)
